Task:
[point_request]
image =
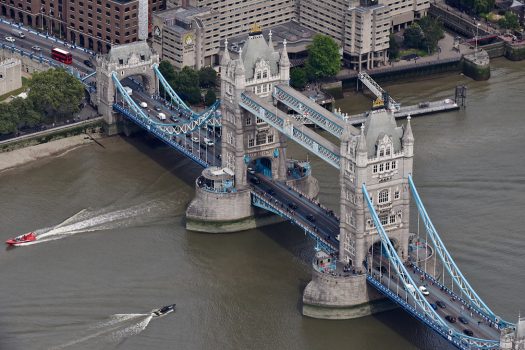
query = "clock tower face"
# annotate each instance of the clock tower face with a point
(188, 39)
(157, 32)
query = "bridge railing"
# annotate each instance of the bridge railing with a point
(449, 263)
(427, 313)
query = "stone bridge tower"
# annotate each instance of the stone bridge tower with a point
(135, 59)
(381, 157)
(247, 141)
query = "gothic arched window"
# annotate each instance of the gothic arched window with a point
(383, 196)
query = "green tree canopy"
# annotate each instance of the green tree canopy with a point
(393, 48)
(167, 70)
(413, 36)
(323, 58)
(207, 77)
(432, 32)
(55, 93)
(510, 21)
(298, 78)
(210, 97)
(8, 120)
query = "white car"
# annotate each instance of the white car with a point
(144, 104)
(424, 291)
(195, 139)
(10, 39)
(36, 48)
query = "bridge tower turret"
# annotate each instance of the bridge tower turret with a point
(380, 156)
(247, 141)
(135, 59)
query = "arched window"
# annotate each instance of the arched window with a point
(387, 151)
(383, 196)
(381, 152)
(265, 74)
(258, 74)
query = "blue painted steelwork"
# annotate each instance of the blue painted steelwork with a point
(427, 314)
(170, 91)
(451, 266)
(264, 203)
(167, 128)
(152, 128)
(288, 129)
(303, 109)
(88, 76)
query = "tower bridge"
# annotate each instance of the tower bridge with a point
(366, 260)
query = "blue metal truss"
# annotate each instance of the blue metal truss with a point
(451, 266)
(427, 314)
(287, 128)
(320, 119)
(170, 91)
(264, 203)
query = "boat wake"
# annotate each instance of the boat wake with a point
(112, 331)
(96, 220)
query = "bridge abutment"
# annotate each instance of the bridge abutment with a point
(345, 296)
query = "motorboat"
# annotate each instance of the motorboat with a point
(25, 238)
(163, 310)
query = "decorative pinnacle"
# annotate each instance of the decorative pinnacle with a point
(284, 43)
(409, 117)
(270, 34)
(226, 43)
(362, 128)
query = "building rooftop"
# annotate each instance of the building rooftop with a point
(297, 37)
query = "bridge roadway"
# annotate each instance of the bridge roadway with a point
(46, 45)
(211, 154)
(324, 222)
(453, 304)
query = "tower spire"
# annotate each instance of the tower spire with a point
(284, 61)
(226, 55)
(270, 42)
(408, 137)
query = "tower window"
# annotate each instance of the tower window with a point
(388, 151)
(396, 194)
(249, 121)
(381, 152)
(383, 196)
(374, 169)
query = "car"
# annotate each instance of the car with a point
(424, 291)
(195, 139)
(310, 218)
(271, 192)
(462, 320)
(450, 319)
(434, 306)
(251, 171)
(10, 39)
(143, 104)
(468, 332)
(157, 108)
(174, 119)
(88, 63)
(36, 48)
(255, 180)
(292, 205)
(441, 304)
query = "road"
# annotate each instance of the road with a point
(193, 142)
(325, 224)
(453, 306)
(46, 45)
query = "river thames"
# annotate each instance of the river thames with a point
(124, 251)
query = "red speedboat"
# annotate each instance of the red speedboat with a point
(26, 238)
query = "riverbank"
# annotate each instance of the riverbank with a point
(22, 156)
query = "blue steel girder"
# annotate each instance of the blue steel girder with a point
(169, 89)
(208, 116)
(290, 127)
(427, 311)
(153, 129)
(325, 119)
(450, 264)
(261, 202)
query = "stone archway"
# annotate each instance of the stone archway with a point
(29, 20)
(135, 59)
(4, 10)
(81, 40)
(73, 37)
(262, 166)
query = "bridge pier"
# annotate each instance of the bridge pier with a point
(342, 297)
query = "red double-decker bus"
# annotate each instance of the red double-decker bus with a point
(62, 55)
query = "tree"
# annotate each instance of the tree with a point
(186, 84)
(25, 113)
(432, 32)
(510, 21)
(413, 36)
(55, 93)
(323, 58)
(393, 47)
(167, 70)
(207, 77)
(210, 97)
(8, 121)
(298, 78)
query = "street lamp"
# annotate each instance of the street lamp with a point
(476, 49)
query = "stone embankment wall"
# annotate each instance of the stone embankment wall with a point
(28, 65)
